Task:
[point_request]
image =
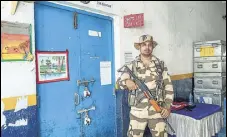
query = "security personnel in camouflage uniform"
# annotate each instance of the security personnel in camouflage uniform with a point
(153, 73)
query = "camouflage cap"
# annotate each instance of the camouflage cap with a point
(145, 38)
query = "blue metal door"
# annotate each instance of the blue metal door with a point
(88, 45)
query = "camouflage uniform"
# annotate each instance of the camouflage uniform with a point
(142, 113)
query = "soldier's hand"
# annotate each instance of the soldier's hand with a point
(130, 84)
(165, 112)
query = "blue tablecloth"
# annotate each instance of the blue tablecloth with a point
(200, 111)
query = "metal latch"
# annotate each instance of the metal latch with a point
(87, 119)
(85, 82)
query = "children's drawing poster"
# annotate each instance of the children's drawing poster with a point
(16, 42)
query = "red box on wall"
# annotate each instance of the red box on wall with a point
(133, 20)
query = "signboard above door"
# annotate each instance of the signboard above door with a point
(99, 3)
(104, 4)
(85, 2)
(134, 20)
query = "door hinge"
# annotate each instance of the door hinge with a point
(75, 20)
(38, 101)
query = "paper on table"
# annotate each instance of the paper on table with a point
(105, 72)
(208, 100)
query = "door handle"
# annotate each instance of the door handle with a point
(199, 66)
(198, 49)
(200, 81)
(215, 82)
(215, 94)
(77, 99)
(214, 65)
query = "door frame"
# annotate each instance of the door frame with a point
(114, 20)
(94, 15)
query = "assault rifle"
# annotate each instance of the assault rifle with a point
(147, 93)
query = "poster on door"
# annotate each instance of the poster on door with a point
(52, 66)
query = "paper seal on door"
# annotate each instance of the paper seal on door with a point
(94, 33)
(105, 72)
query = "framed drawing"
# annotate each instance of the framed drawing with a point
(16, 42)
(52, 66)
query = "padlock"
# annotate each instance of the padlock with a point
(87, 120)
(86, 92)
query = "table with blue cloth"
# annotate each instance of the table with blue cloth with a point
(205, 120)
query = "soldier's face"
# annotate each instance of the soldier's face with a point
(146, 48)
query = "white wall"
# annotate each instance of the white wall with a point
(174, 25)
(18, 78)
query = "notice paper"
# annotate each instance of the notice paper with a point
(105, 72)
(128, 57)
(94, 33)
